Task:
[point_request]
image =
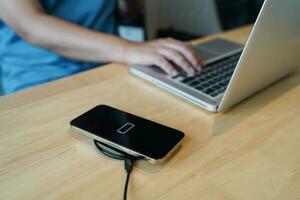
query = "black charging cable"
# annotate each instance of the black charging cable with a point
(128, 168)
(119, 155)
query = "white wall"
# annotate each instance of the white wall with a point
(193, 16)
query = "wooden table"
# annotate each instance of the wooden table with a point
(250, 152)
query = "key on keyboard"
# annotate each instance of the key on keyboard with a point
(214, 78)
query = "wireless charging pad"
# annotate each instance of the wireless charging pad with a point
(113, 152)
(118, 155)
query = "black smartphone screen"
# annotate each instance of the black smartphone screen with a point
(127, 130)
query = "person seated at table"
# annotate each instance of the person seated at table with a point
(46, 40)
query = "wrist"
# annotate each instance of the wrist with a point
(112, 49)
(127, 51)
(120, 51)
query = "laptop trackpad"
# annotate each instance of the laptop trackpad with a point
(216, 47)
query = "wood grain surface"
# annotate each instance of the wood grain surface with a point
(250, 152)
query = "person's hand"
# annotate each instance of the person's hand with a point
(165, 53)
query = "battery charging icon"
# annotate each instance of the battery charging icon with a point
(125, 128)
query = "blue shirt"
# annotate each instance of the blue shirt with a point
(24, 65)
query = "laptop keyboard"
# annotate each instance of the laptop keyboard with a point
(214, 78)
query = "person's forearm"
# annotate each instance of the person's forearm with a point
(30, 21)
(75, 42)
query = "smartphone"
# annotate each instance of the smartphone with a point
(129, 133)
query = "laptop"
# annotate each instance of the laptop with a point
(234, 72)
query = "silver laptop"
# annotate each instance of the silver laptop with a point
(234, 72)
